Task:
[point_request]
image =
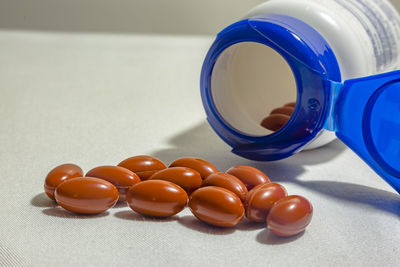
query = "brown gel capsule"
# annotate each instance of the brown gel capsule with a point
(250, 176)
(291, 104)
(290, 216)
(275, 122)
(186, 178)
(120, 177)
(283, 110)
(144, 166)
(261, 199)
(227, 181)
(86, 195)
(156, 198)
(216, 206)
(58, 175)
(205, 168)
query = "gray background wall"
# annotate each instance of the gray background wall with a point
(141, 16)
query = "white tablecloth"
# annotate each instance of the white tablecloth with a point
(97, 99)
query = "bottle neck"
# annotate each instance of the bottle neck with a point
(236, 84)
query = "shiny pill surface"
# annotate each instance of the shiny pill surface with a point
(283, 110)
(205, 168)
(86, 195)
(120, 177)
(186, 178)
(58, 175)
(275, 122)
(291, 104)
(144, 166)
(156, 198)
(290, 216)
(216, 206)
(227, 181)
(261, 199)
(250, 176)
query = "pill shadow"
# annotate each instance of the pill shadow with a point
(247, 225)
(62, 213)
(265, 237)
(130, 215)
(193, 223)
(120, 204)
(43, 201)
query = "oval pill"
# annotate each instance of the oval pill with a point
(58, 175)
(205, 168)
(186, 178)
(144, 166)
(250, 176)
(86, 195)
(120, 177)
(156, 198)
(291, 104)
(261, 199)
(216, 206)
(283, 110)
(227, 181)
(290, 216)
(275, 122)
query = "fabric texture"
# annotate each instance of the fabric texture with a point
(97, 99)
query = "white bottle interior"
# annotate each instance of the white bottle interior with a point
(249, 80)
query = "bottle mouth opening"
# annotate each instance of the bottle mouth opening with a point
(253, 88)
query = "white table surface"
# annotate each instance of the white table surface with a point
(98, 99)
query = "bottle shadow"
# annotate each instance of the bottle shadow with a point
(372, 197)
(201, 141)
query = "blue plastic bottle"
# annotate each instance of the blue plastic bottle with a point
(336, 92)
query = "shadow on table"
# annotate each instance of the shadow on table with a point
(43, 201)
(268, 238)
(201, 141)
(193, 223)
(133, 216)
(62, 213)
(372, 197)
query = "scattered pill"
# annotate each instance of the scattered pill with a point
(58, 175)
(250, 176)
(86, 195)
(290, 216)
(261, 199)
(227, 181)
(186, 178)
(275, 122)
(216, 198)
(216, 206)
(144, 166)
(120, 177)
(205, 168)
(156, 198)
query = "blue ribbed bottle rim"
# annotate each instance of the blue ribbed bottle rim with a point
(312, 61)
